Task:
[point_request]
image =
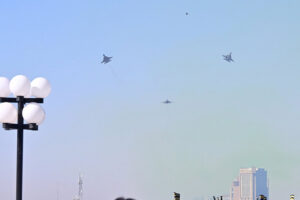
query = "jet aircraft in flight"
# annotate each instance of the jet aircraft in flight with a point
(228, 58)
(106, 59)
(167, 101)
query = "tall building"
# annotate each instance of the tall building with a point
(262, 187)
(251, 183)
(235, 190)
(247, 184)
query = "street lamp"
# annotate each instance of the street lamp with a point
(32, 113)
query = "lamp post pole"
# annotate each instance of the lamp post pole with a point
(20, 138)
(13, 119)
(20, 126)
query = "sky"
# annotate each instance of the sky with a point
(107, 121)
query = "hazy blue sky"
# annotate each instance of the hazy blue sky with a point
(113, 128)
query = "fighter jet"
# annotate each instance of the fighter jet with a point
(167, 102)
(228, 58)
(106, 59)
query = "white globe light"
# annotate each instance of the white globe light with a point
(20, 85)
(33, 113)
(4, 87)
(40, 87)
(28, 95)
(8, 113)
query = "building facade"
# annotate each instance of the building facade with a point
(235, 190)
(247, 184)
(262, 186)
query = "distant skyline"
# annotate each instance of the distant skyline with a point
(250, 184)
(111, 125)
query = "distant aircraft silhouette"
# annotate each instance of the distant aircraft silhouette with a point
(167, 101)
(186, 13)
(106, 59)
(228, 58)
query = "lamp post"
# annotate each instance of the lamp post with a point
(33, 113)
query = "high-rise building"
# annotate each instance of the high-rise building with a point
(251, 183)
(247, 184)
(262, 187)
(235, 190)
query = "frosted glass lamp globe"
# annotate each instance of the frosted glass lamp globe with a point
(4, 87)
(19, 85)
(8, 113)
(33, 113)
(28, 95)
(40, 87)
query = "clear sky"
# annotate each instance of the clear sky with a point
(107, 121)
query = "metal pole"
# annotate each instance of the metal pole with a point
(20, 149)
